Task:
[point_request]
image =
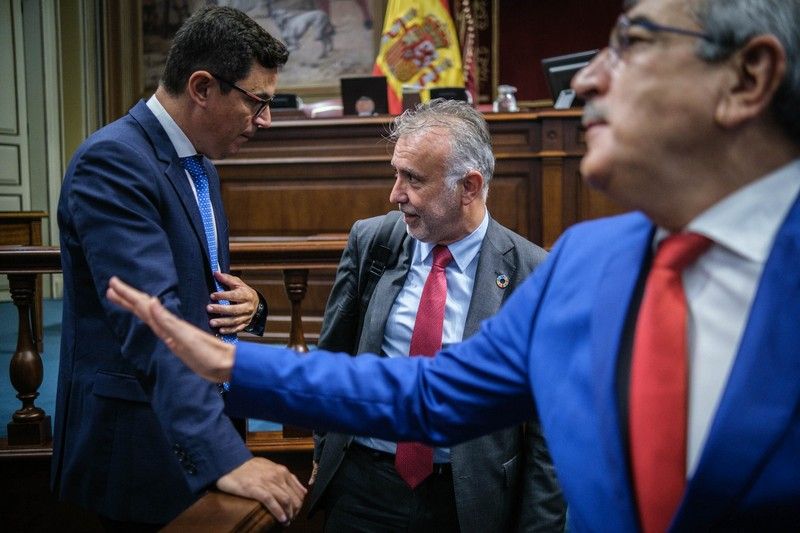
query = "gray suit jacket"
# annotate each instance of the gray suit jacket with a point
(503, 481)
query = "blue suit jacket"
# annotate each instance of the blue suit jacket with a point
(137, 435)
(559, 337)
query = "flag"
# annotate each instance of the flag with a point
(419, 46)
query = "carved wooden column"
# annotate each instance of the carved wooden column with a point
(29, 425)
(296, 282)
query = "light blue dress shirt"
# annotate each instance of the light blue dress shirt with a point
(460, 275)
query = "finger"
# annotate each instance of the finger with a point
(123, 294)
(117, 298)
(163, 323)
(232, 310)
(228, 280)
(130, 299)
(290, 493)
(232, 329)
(298, 488)
(230, 324)
(239, 295)
(272, 504)
(127, 291)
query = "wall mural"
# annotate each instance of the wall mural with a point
(328, 39)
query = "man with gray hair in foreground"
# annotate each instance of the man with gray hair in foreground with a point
(660, 348)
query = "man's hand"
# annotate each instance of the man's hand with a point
(314, 472)
(206, 355)
(270, 483)
(243, 299)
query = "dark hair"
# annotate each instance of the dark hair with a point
(223, 41)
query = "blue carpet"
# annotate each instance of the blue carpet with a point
(9, 403)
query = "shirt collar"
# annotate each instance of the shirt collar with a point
(183, 146)
(747, 221)
(463, 250)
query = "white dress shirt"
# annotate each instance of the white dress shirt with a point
(183, 146)
(720, 288)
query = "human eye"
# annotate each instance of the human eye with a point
(637, 41)
(408, 177)
(641, 31)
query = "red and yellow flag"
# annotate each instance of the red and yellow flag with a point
(419, 47)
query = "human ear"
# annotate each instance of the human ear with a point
(759, 67)
(198, 87)
(472, 184)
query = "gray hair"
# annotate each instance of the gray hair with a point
(731, 23)
(470, 142)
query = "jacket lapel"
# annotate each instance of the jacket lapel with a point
(487, 297)
(609, 315)
(215, 193)
(763, 390)
(173, 170)
(383, 297)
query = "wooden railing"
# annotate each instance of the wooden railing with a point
(219, 512)
(29, 425)
(29, 431)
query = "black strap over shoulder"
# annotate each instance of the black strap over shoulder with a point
(383, 253)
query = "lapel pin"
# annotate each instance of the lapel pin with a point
(502, 281)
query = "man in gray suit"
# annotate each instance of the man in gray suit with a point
(502, 482)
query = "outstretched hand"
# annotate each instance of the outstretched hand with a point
(270, 483)
(206, 355)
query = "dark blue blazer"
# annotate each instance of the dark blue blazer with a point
(138, 436)
(559, 337)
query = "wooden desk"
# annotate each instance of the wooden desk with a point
(24, 228)
(310, 177)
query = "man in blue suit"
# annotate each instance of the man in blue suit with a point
(138, 436)
(692, 119)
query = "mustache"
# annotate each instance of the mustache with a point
(592, 113)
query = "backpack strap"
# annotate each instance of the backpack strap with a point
(383, 253)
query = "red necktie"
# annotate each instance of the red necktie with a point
(413, 460)
(658, 386)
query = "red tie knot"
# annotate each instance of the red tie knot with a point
(441, 257)
(680, 250)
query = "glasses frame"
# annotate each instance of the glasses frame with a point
(262, 103)
(619, 42)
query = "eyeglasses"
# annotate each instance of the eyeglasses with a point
(620, 40)
(259, 104)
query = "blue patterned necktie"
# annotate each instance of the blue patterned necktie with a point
(194, 166)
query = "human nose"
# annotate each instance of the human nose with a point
(593, 79)
(398, 195)
(263, 119)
